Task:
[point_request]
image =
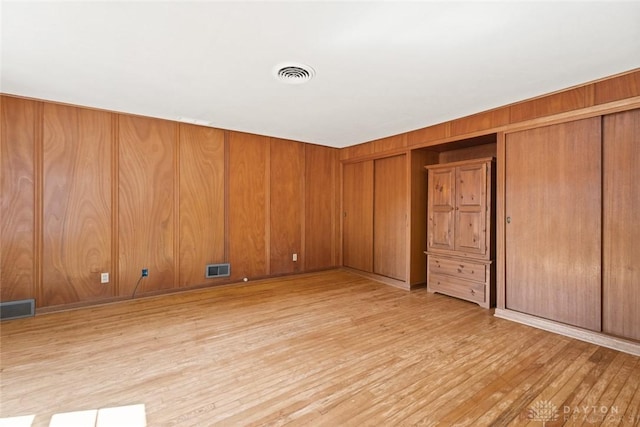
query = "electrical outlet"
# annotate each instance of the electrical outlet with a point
(104, 277)
(145, 272)
(295, 257)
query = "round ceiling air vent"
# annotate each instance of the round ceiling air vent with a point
(294, 73)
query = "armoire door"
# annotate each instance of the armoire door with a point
(357, 196)
(441, 209)
(621, 230)
(390, 217)
(553, 231)
(471, 209)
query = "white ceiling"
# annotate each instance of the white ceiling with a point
(382, 68)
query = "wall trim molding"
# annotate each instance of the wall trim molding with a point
(592, 337)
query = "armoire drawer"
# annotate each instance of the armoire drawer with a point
(459, 268)
(465, 289)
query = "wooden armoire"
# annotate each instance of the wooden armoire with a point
(459, 244)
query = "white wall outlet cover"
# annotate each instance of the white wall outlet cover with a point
(104, 277)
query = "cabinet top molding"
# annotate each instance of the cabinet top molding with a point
(460, 163)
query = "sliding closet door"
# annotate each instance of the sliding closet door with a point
(390, 217)
(357, 196)
(553, 230)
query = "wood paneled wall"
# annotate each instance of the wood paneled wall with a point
(18, 270)
(416, 261)
(322, 213)
(86, 192)
(146, 192)
(202, 202)
(287, 206)
(248, 202)
(590, 95)
(76, 232)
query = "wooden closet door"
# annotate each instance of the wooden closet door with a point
(471, 209)
(621, 230)
(357, 196)
(553, 230)
(441, 209)
(390, 217)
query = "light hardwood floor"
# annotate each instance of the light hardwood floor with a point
(331, 349)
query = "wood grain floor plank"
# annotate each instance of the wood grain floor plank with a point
(632, 414)
(594, 408)
(461, 396)
(561, 360)
(433, 386)
(566, 381)
(625, 395)
(497, 391)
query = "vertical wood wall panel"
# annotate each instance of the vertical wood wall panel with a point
(115, 203)
(621, 230)
(17, 145)
(146, 203)
(248, 183)
(77, 204)
(617, 88)
(357, 199)
(431, 133)
(418, 236)
(390, 143)
(320, 207)
(286, 205)
(202, 201)
(390, 217)
(551, 104)
(469, 153)
(500, 221)
(480, 121)
(356, 150)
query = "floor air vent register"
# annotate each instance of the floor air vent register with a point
(218, 270)
(17, 309)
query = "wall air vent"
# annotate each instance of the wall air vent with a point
(293, 73)
(217, 270)
(17, 309)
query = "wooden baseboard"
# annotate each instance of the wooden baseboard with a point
(218, 282)
(592, 337)
(383, 279)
